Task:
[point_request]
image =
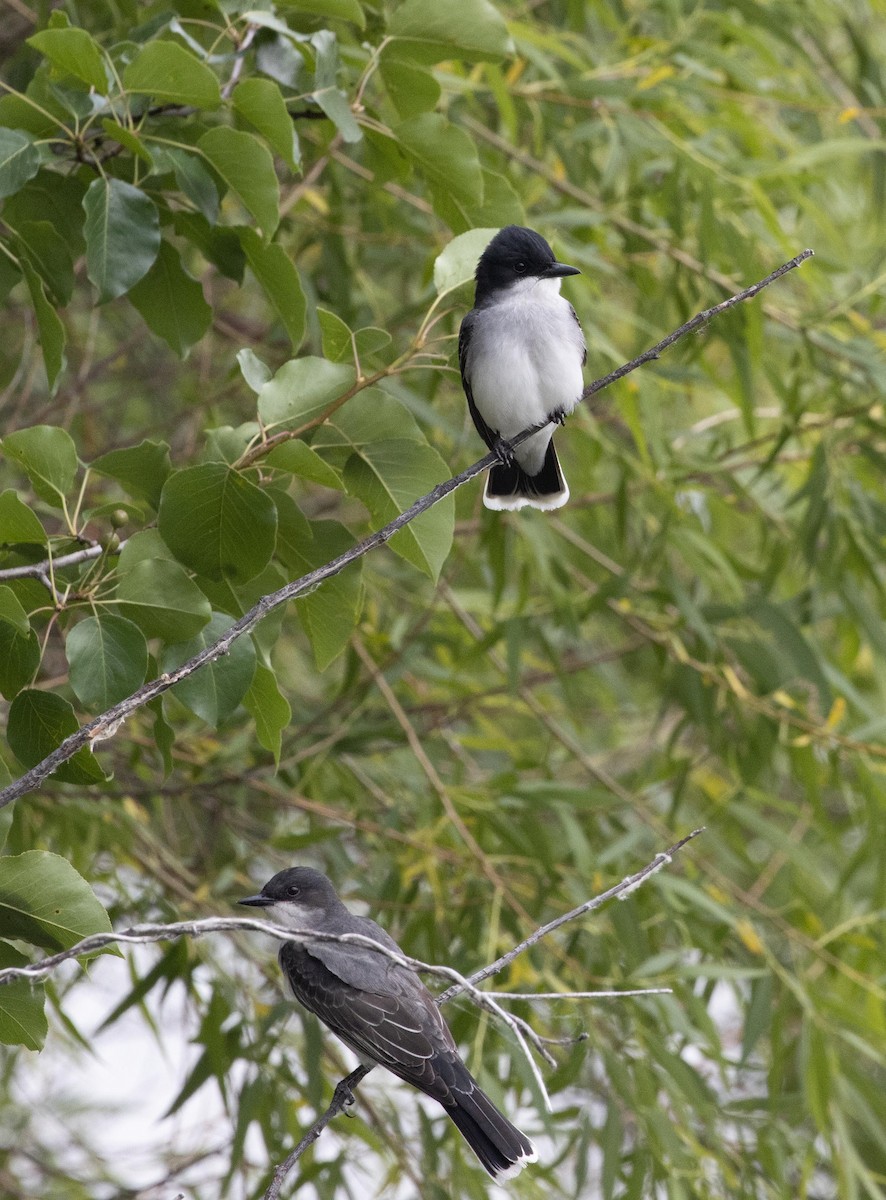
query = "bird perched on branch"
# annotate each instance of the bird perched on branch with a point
(383, 1011)
(521, 351)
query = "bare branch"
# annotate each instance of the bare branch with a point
(40, 570)
(620, 891)
(109, 722)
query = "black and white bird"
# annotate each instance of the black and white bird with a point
(521, 351)
(383, 1011)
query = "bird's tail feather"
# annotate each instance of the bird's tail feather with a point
(508, 486)
(500, 1146)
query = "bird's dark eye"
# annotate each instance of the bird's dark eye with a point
(520, 267)
(293, 890)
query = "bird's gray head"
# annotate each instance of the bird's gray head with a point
(515, 254)
(300, 898)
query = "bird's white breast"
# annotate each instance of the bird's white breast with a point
(524, 362)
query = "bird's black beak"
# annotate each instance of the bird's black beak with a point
(258, 901)
(557, 270)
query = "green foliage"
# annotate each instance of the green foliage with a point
(479, 725)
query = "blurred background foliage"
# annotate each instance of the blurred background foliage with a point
(696, 639)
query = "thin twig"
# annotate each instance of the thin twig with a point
(107, 724)
(40, 570)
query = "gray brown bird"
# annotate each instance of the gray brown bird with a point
(383, 1011)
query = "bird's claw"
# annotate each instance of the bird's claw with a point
(504, 452)
(345, 1097)
(558, 416)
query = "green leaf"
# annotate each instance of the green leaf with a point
(172, 302)
(74, 51)
(500, 205)
(45, 902)
(791, 648)
(22, 1019)
(49, 457)
(298, 458)
(254, 370)
(372, 416)
(57, 199)
(345, 10)
(19, 160)
(140, 470)
(330, 614)
(246, 166)
(269, 709)
(340, 343)
(195, 180)
(388, 476)
(326, 93)
(172, 75)
(302, 390)
(19, 524)
(215, 690)
(337, 338)
(122, 236)
(128, 140)
(108, 660)
(160, 597)
(49, 326)
(164, 734)
(458, 262)
(280, 282)
(217, 522)
(49, 255)
(38, 723)
(218, 245)
(260, 102)
(467, 29)
(11, 611)
(412, 89)
(445, 155)
(19, 659)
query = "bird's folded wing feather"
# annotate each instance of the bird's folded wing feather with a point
(489, 436)
(399, 1028)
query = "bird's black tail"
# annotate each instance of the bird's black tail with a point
(500, 1146)
(508, 486)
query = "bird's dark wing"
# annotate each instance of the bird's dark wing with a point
(489, 436)
(359, 965)
(401, 1029)
(584, 352)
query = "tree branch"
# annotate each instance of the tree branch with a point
(41, 570)
(107, 724)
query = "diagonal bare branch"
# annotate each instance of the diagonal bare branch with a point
(108, 723)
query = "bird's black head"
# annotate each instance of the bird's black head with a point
(296, 889)
(517, 253)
